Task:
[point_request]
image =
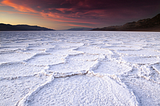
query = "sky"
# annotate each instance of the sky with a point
(65, 14)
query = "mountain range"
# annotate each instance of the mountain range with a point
(8, 27)
(149, 24)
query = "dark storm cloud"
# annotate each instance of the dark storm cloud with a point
(81, 5)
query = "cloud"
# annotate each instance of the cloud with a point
(18, 7)
(87, 11)
(75, 25)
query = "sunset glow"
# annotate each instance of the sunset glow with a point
(65, 14)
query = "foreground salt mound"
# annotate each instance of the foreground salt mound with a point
(81, 90)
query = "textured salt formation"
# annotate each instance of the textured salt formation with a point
(81, 90)
(19, 69)
(14, 89)
(79, 68)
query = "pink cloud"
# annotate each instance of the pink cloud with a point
(53, 16)
(74, 25)
(18, 7)
(88, 12)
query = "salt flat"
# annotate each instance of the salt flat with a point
(67, 68)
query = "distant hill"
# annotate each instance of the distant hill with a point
(8, 27)
(79, 29)
(148, 24)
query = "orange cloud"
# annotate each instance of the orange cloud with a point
(18, 7)
(59, 17)
(63, 10)
(13, 12)
(50, 14)
(79, 25)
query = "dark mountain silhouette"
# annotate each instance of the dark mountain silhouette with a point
(148, 24)
(8, 27)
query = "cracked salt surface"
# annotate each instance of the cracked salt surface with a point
(79, 68)
(82, 90)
